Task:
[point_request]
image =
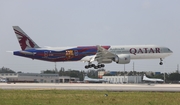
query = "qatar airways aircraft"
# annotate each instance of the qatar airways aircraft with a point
(100, 54)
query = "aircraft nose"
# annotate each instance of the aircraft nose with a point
(170, 51)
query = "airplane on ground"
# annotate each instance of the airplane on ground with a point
(92, 80)
(100, 54)
(3, 80)
(152, 79)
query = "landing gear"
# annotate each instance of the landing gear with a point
(95, 66)
(100, 65)
(161, 63)
(90, 66)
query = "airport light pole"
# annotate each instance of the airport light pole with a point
(164, 77)
(133, 72)
(164, 74)
(178, 68)
(55, 68)
(124, 73)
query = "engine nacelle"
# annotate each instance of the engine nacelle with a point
(122, 59)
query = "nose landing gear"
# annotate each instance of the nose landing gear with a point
(161, 63)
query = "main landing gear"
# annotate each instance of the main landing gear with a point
(161, 63)
(95, 66)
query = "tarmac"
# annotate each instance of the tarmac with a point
(89, 86)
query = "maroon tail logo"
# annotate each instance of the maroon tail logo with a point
(24, 41)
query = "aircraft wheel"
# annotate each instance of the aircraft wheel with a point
(86, 67)
(102, 65)
(99, 66)
(161, 63)
(89, 66)
(95, 67)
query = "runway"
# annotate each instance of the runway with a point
(108, 87)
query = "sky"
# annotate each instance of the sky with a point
(60, 23)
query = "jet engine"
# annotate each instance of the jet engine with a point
(122, 59)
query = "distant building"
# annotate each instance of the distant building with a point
(123, 79)
(157, 73)
(37, 77)
(100, 74)
(113, 72)
(151, 73)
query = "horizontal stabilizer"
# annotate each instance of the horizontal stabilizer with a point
(27, 53)
(10, 51)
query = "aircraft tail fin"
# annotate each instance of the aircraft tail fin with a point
(86, 77)
(144, 77)
(24, 40)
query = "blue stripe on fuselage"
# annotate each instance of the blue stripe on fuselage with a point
(58, 56)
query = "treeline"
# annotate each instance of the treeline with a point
(169, 77)
(6, 70)
(73, 73)
(62, 72)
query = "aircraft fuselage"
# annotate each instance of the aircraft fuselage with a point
(79, 53)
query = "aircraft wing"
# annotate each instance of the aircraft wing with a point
(103, 54)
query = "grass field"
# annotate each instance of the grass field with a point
(78, 97)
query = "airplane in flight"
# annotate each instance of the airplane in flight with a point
(100, 54)
(152, 79)
(92, 80)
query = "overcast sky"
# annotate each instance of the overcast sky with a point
(59, 23)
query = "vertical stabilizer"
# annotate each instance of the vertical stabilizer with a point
(86, 77)
(144, 77)
(24, 40)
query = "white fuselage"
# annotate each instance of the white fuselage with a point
(152, 79)
(135, 51)
(141, 51)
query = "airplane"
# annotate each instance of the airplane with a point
(3, 80)
(100, 54)
(92, 80)
(152, 79)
